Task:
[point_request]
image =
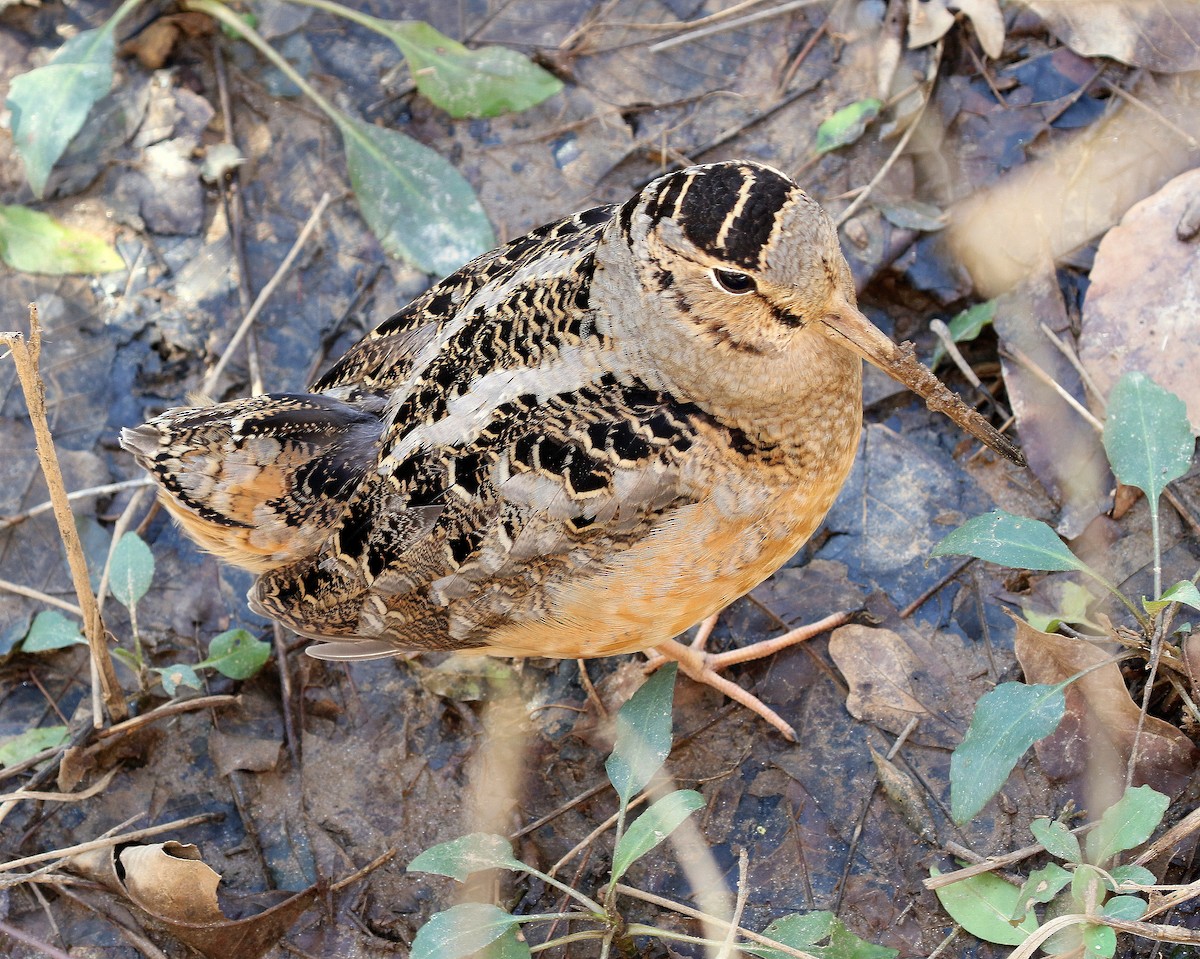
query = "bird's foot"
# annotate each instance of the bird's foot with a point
(704, 667)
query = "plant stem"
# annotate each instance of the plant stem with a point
(219, 11)
(1154, 538)
(595, 907)
(362, 19)
(573, 937)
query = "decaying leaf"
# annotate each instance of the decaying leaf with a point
(1141, 307)
(905, 796)
(1160, 35)
(988, 22)
(891, 683)
(928, 21)
(174, 888)
(1095, 739)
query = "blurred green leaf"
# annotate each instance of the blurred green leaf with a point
(1007, 721)
(643, 737)
(468, 83)
(1182, 592)
(1041, 886)
(416, 203)
(34, 242)
(804, 930)
(460, 857)
(1136, 874)
(1009, 540)
(966, 326)
(1130, 908)
(180, 674)
(1126, 823)
(236, 654)
(1057, 838)
(461, 931)
(49, 104)
(652, 827)
(131, 570)
(16, 749)
(1146, 435)
(52, 630)
(1099, 942)
(982, 905)
(847, 125)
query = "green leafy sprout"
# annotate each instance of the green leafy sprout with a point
(643, 741)
(418, 205)
(1080, 899)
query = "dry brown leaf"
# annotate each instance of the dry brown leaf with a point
(928, 21)
(173, 887)
(1076, 191)
(891, 683)
(1093, 744)
(1161, 35)
(251, 753)
(904, 796)
(988, 21)
(1144, 298)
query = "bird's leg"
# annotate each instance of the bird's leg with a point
(703, 667)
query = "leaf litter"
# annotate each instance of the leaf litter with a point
(380, 760)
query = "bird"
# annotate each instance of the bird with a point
(580, 444)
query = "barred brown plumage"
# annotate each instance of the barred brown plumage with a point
(579, 444)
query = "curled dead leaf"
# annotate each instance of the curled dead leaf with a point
(170, 880)
(1092, 746)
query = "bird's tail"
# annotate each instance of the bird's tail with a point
(260, 482)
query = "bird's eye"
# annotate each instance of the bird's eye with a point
(732, 282)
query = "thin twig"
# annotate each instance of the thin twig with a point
(214, 375)
(743, 893)
(1142, 105)
(366, 870)
(1073, 358)
(40, 596)
(40, 796)
(67, 852)
(1041, 375)
(46, 507)
(931, 75)
(43, 948)
(173, 708)
(749, 18)
(26, 355)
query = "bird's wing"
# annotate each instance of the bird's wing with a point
(455, 541)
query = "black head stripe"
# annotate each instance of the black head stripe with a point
(731, 210)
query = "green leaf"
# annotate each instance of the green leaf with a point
(236, 654)
(1087, 886)
(843, 944)
(181, 674)
(1134, 874)
(416, 203)
(1126, 823)
(1099, 942)
(1041, 886)
(1007, 721)
(468, 83)
(461, 931)
(1009, 540)
(966, 326)
(652, 827)
(508, 946)
(1131, 908)
(1057, 838)
(34, 242)
(52, 630)
(131, 570)
(800, 931)
(643, 737)
(982, 905)
(847, 125)
(460, 857)
(1146, 435)
(1182, 592)
(16, 749)
(49, 104)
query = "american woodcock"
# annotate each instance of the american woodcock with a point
(580, 444)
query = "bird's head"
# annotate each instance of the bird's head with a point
(745, 297)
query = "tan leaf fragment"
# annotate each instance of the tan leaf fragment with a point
(250, 753)
(1144, 299)
(1094, 742)
(1160, 35)
(928, 22)
(905, 797)
(988, 21)
(171, 880)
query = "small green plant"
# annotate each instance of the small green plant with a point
(643, 740)
(965, 327)
(1149, 443)
(235, 653)
(1079, 899)
(417, 204)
